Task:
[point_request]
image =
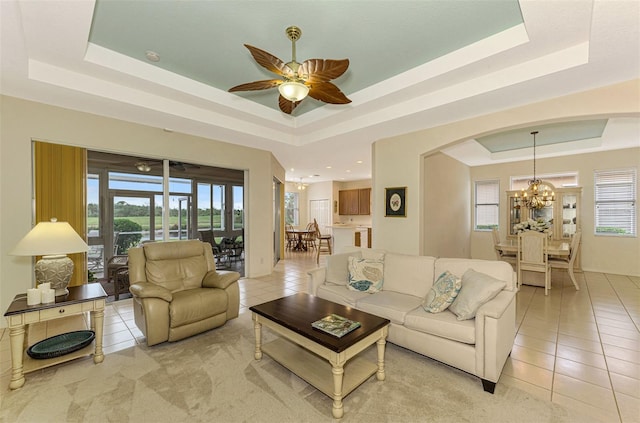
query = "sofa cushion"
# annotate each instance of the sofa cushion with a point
(477, 289)
(442, 293)
(390, 305)
(407, 274)
(498, 269)
(444, 325)
(340, 294)
(193, 305)
(338, 267)
(365, 275)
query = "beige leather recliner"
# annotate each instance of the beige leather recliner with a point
(177, 291)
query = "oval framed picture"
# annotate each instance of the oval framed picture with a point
(396, 202)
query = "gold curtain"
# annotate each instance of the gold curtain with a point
(60, 192)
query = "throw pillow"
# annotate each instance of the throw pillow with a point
(365, 275)
(442, 293)
(477, 289)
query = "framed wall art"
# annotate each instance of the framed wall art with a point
(396, 202)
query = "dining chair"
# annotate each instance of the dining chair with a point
(290, 236)
(309, 237)
(568, 262)
(510, 258)
(327, 240)
(532, 256)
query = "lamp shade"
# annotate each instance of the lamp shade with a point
(50, 238)
(293, 91)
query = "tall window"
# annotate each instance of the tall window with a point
(487, 199)
(210, 206)
(615, 202)
(291, 208)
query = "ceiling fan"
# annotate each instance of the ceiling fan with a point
(310, 77)
(144, 165)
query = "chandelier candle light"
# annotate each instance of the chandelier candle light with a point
(53, 241)
(532, 197)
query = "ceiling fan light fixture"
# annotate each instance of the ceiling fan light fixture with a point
(143, 167)
(293, 90)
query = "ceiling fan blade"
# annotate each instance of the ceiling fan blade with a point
(269, 61)
(321, 70)
(329, 93)
(257, 85)
(287, 106)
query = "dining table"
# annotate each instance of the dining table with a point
(555, 247)
(300, 235)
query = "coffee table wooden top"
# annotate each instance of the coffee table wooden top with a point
(297, 312)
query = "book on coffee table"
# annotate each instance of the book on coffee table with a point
(335, 325)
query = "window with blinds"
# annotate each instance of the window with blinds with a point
(487, 205)
(615, 202)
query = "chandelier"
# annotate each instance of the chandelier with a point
(301, 186)
(537, 195)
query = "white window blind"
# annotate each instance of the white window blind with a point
(319, 210)
(615, 202)
(487, 205)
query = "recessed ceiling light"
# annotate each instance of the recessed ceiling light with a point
(292, 169)
(348, 171)
(152, 56)
(359, 162)
(328, 167)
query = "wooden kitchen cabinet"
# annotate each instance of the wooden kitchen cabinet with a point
(364, 201)
(354, 201)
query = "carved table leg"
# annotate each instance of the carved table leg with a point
(97, 320)
(337, 368)
(17, 339)
(257, 328)
(381, 345)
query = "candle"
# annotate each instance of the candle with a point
(33, 296)
(44, 285)
(48, 296)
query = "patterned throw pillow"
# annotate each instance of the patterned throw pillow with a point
(365, 275)
(442, 293)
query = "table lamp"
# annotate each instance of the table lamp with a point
(53, 241)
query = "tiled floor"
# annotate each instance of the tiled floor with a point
(576, 348)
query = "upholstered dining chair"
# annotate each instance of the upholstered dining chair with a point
(568, 262)
(510, 258)
(326, 239)
(532, 256)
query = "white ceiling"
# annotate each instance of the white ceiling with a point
(560, 48)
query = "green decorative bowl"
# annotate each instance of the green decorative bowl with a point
(60, 345)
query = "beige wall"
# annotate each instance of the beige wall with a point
(447, 207)
(21, 121)
(398, 161)
(598, 253)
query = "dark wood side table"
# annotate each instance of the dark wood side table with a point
(81, 299)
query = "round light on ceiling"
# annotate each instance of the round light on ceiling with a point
(152, 56)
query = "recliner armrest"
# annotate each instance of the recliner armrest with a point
(150, 290)
(220, 280)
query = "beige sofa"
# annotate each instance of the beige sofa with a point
(479, 346)
(177, 291)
